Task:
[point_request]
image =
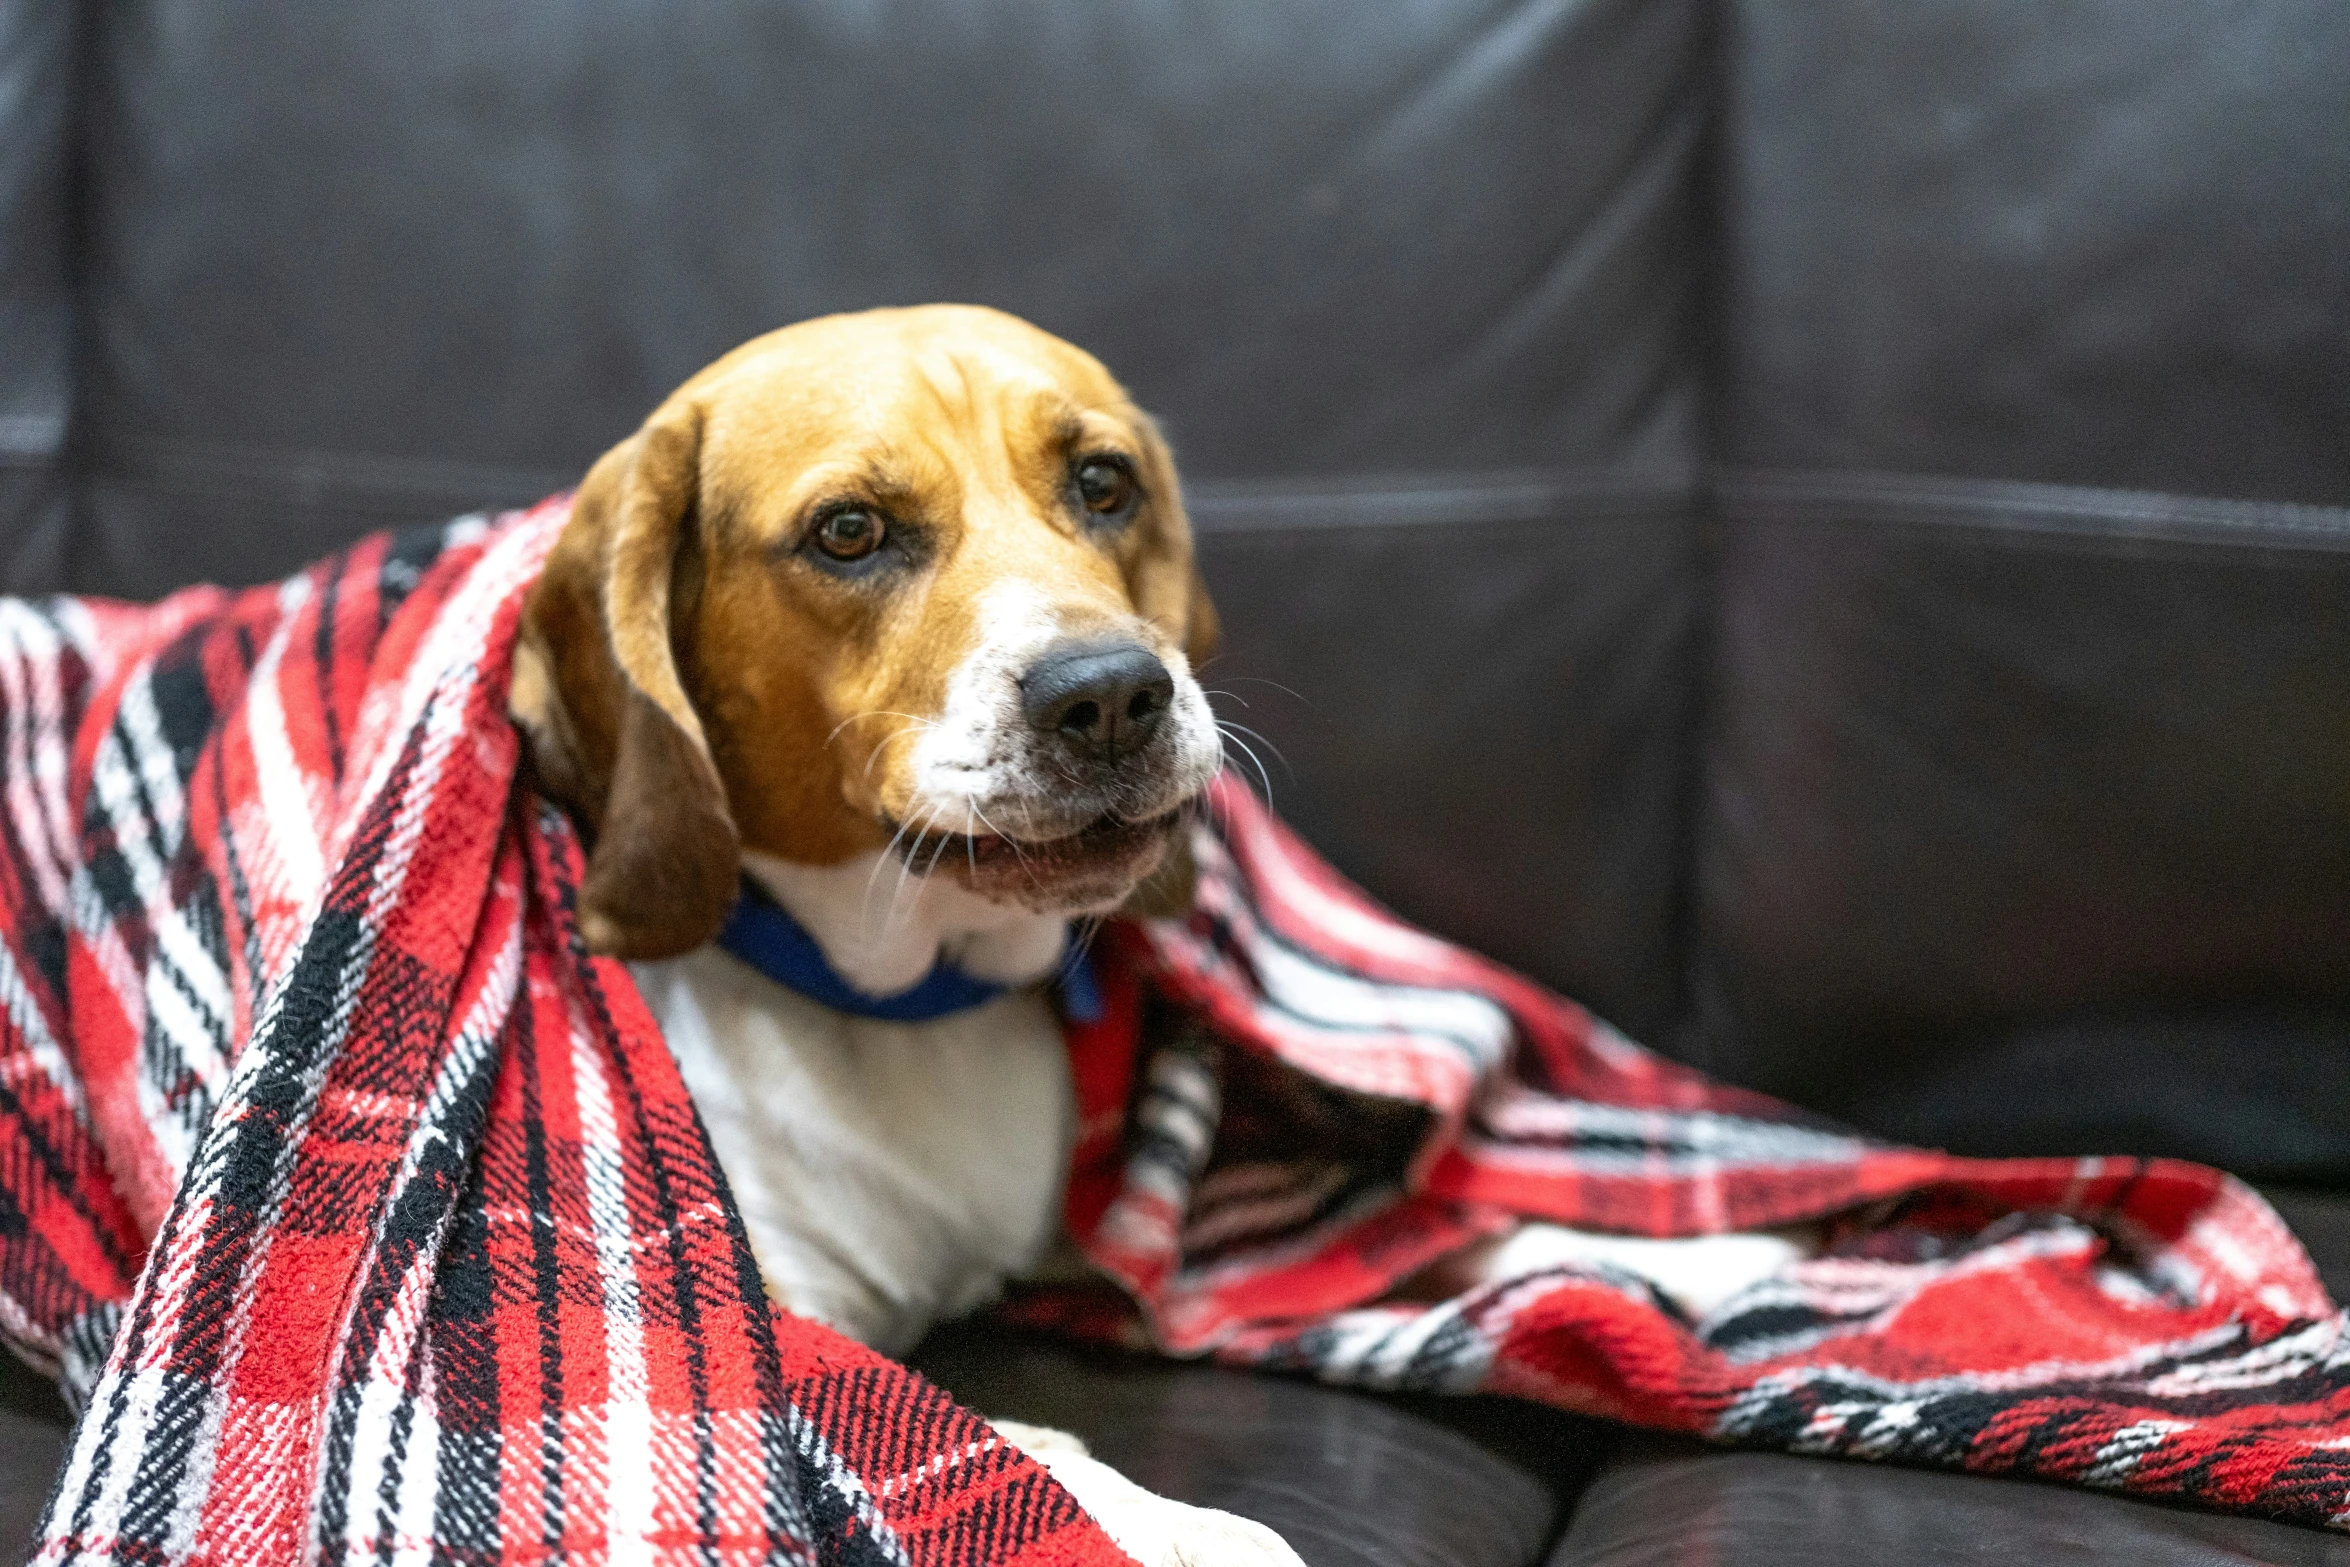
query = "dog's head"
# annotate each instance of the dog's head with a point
(912, 578)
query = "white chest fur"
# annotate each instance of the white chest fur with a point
(891, 1175)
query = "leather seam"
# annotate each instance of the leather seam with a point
(1410, 500)
(349, 481)
(1777, 495)
(339, 480)
(31, 440)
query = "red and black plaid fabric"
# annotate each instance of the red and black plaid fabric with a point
(366, 1216)
(1326, 1100)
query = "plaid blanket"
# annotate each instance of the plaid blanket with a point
(364, 1214)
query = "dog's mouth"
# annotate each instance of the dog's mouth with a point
(1090, 869)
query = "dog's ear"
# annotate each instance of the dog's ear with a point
(1174, 594)
(1202, 631)
(596, 688)
(1166, 893)
(1172, 591)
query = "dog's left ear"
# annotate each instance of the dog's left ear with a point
(1166, 893)
(597, 690)
(1171, 590)
(1202, 631)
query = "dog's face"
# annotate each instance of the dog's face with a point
(912, 580)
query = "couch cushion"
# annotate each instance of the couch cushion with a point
(32, 1444)
(1350, 1480)
(1669, 1504)
(2322, 1221)
(1659, 1503)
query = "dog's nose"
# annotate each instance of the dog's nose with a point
(1105, 699)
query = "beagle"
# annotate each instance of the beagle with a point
(888, 624)
(895, 616)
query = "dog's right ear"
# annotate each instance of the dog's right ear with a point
(596, 689)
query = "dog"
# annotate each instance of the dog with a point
(896, 615)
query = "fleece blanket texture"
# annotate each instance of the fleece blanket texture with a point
(364, 1215)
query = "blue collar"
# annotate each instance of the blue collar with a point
(761, 933)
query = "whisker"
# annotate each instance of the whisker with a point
(886, 850)
(889, 916)
(912, 726)
(1226, 723)
(1084, 931)
(907, 874)
(1260, 680)
(1017, 856)
(1250, 752)
(865, 909)
(882, 749)
(879, 712)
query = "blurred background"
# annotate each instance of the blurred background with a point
(1816, 527)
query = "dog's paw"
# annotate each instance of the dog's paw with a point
(1172, 1534)
(1155, 1530)
(1042, 1443)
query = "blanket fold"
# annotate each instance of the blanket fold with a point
(364, 1214)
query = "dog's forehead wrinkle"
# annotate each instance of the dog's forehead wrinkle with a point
(945, 375)
(983, 387)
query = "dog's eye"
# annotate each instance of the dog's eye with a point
(852, 533)
(1105, 485)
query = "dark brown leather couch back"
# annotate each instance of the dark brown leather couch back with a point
(2027, 812)
(1575, 396)
(36, 302)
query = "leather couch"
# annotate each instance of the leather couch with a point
(1819, 527)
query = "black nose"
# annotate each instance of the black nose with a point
(1105, 699)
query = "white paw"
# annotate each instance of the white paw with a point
(1042, 1443)
(1158, 1532)
(1154, 1530)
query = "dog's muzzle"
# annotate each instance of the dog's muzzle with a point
(1095, 794)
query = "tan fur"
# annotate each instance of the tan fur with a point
(693, 686)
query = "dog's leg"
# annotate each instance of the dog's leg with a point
(1154, 1530)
